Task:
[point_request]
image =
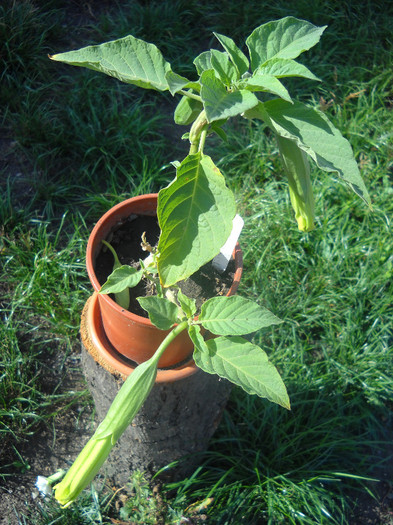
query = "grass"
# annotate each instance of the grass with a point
(77, 143)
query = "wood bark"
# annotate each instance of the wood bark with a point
(176, 422)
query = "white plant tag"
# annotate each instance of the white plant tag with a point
(220, 261)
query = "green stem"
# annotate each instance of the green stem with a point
(190, 95)
(112, 250)
(199, 125)
(202, 140)
(168, 340)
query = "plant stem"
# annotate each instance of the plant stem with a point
(199, 125)
(168, 339)
(202, 140)
(190, 95)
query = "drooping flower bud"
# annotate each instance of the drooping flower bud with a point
(297, 169)
(125, 406)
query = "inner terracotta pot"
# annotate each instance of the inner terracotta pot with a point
(132, 335)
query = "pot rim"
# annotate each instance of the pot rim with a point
(93, 335)
(237, 255)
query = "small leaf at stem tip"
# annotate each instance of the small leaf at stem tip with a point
(121, 278)
(162, 312)
(219, 103)
(238, 58)
(187, 304)
(268, 84)
(194, 331)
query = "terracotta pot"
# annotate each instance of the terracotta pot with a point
(132, 335)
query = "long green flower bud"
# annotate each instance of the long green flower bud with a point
(297, 169)
(124, 408)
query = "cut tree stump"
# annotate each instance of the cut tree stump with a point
(177, 420)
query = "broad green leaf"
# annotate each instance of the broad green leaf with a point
(268, 83)
(223, 67)
(177, 83)
(285, 67)
(235, 315)
(238, 58)
(194, 331)
(316, 135)
(219, 103)
(203, 62)
(121, 278)
(285, 38)
(128, 59)
(195, 215)
(162, 312)
(244, 364)
(187, 304)
(187, 111)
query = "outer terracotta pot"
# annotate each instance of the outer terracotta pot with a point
(132, 335)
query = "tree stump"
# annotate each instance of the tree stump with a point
(177, 419)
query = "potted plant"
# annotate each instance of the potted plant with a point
(196, 210)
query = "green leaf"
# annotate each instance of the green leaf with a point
(195, 215)
(194, 331)
(235, 315)
(224, 69)
(203, 62)
(238, 58)
(285, 38)
(316, 135)
(187, 304)
(285, 67)
(221, 104)
(187, 111)
(219, 131)
(244, 364)
(121, 278)
(177, 83)
(162, 312)
(268, 83)
(128, 59)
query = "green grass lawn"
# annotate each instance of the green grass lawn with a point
(74, 143)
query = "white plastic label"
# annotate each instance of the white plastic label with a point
(220, 262)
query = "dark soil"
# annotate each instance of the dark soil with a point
(55, 444)
(126, 240)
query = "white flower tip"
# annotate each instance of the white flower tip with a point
(43, 486)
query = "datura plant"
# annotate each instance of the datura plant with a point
(196, 210)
